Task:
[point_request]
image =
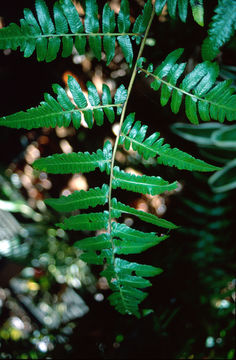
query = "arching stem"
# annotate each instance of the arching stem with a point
(133, 76)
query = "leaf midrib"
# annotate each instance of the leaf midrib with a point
(52, 114)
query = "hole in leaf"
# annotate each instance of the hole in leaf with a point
(98, 252)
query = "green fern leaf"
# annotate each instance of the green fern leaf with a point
(92, 26)
(126, 301)
(106, 100)
(108, 26)
(120, 97)
(126, 298)
(131, 241)
(76, 162)
(181, 6)
(61, 112)
(88, 222)
(80, 199)
(95, 243)
(46, 35)
(141, 22)
(221, 28)
(153, 146)
(143, 184)
(202, 97)
(150, 218)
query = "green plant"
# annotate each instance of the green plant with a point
(46, 35)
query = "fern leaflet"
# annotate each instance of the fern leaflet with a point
(144, 184)
(150, 218)
(134, 134)
(221, 28)
(76, 162)
(217, 102)
(46, 35)
(196, 5)
(80, 199)
(62, 112)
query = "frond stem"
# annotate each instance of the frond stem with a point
(28, 36)
(133, 76)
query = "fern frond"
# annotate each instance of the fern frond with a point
(76, 162)
(221, 29)
(62, 112)
(182, 10)
(134, 134)
(94, 243)
(126, 297)
(143, 184)
(131, 241)
(150, 218)
(80, 199)
(46, 35)
(89, 222)
(202, 96)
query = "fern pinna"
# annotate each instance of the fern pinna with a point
(126, 279)
(66, 29)
(221, 29)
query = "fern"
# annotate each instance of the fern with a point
(134, 134)
(126, 279)
(80, 199)
(182, 5)
(62, 112)
(202, 97)
(144, 184)
(46, 35)
(221, 29)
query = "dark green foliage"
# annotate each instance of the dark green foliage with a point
(181, 7)
(203, 98)
(62, 112)
(144, 184)
(80, 199)
(134, 134)
(76, 162)
(46, 35)
(221, 29)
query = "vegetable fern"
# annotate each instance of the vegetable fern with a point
(62, 112)
(202, 96)
(181, 6)
(221, 29)
(46, 35)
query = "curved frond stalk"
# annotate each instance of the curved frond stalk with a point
(46, 35)
(221, 29)
(133, 133)
(76, 162)
(64, 111)
(180, 7)
(80, 199)
(202, 97)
